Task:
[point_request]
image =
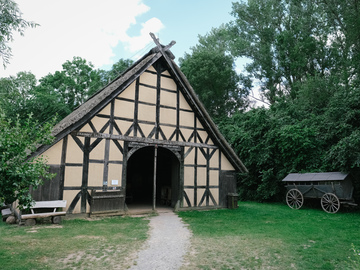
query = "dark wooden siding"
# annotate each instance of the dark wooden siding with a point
(50, 190)
(227, 185)
(107, 201)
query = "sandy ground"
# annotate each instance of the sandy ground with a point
(168, 242)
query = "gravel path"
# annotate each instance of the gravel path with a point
(168, 242)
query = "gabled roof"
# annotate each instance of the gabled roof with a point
(308, 177)
(99, 100)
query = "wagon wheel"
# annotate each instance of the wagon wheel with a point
(294, 198)
(330, 203)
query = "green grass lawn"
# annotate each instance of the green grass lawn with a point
(273, 236)
(75, 244)
(254, 236)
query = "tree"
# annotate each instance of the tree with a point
(17, 172)
(211, 72)
(272, 143)
(65, 90)
(285, 40)
(119, 67)
(10, 21)
(15, 92)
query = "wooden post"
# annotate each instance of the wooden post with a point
(154, 186)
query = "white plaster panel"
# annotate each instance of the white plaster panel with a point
(201, 176)
(200, 194)
(99, 151)
(53, 154)
(147, 113)
(214, 161)
(188, 176)
(124, 109)
(187, 119)
(183, 102)
(115, 153)
(190, 158)
(203, 135)
(148, 78)
(69, 196)
(114, 173)
(73, 153)
(198, 124)
(168, 131)
(73, 176)
(147, 94)
(106, 110)
(214, 178)
(166, 73)
(151, 68)
(167, 116)
(225, 164)
(123, 126)
(190, 194)
(201, 158)
(168, 98)
(168, 83)
(215, 194)
(99, 123)
(187, 133)
(86, 128)
(146, 129)
(95, 175)
(129, 92)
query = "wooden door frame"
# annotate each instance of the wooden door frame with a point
(131, 147)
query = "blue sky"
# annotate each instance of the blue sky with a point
(184, 20)
(103, 32)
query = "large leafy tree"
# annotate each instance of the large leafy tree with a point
(10, 22)
(15, 92)
(286, 41)
(60, 93)
(119, 67)
(17, 172)
(211, 72)
(305, 58)
(74, 83)
(56, 94)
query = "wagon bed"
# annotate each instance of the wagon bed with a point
(333, 188)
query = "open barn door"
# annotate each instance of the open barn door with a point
(152, 178)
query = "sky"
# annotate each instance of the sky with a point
(104, 31)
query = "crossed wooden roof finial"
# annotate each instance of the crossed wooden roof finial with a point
(164, 49)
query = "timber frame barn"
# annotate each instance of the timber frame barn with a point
(145, 138)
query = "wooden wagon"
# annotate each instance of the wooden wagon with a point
(332, 188)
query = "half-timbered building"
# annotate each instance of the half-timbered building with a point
(144, 138)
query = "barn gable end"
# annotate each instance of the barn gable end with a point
(148, 114)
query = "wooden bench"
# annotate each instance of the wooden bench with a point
(52, 206)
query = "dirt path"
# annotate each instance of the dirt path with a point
(168, 242)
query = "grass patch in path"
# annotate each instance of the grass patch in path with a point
(108, 243)
(272, 236)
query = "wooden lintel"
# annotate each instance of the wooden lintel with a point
(137, 144)
(141, 140)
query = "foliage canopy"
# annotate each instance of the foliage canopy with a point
(17, 171)
(10, 22)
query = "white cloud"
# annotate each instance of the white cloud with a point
(86, 28)
(135, 44)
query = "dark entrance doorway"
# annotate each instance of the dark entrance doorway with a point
(140, 178)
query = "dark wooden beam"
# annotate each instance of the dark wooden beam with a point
(141, 140)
